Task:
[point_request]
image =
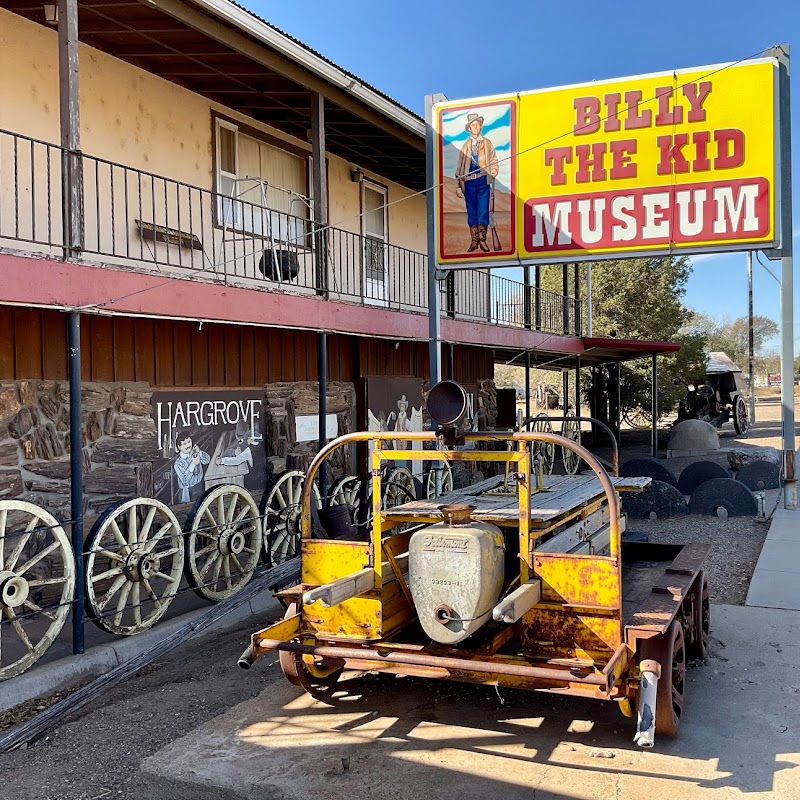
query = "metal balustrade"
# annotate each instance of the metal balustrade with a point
(148, 222)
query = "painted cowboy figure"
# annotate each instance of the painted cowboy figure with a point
(477, 168)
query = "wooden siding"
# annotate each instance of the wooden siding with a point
(33, 345)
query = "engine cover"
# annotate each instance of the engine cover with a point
(455, 574)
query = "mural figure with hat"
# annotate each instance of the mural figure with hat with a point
(477, 168)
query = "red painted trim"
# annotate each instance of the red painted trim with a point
(56, 284)
(636, 345)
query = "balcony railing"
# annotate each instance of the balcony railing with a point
(144, 221)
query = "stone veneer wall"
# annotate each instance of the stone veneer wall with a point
(119, 438)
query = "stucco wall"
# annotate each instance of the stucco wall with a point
(134, 118)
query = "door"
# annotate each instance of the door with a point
(374, 230)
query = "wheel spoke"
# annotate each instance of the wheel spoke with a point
(17, 625)
(160, 533)
(118, 534)
(151, 594)
(123, 599)
(38, 557)
(103, 575)
(136, 602)
(132, 525)
(112, 590)
(3, 520)
(241, 515)
(148, 522)
(206, 549)
(47, 581)
(221, 511)
(209, 561)
(109, 554)
(39, 610)
(232, 507)
(237, 563)
(226, 571)
(168, 578)
(171, 552)
(212, 522)
(19, 547)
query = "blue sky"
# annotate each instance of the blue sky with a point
(418, 47)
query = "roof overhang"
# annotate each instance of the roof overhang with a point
(592, 351)
(225, 53)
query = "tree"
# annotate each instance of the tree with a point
(642, 298)
(731, 336)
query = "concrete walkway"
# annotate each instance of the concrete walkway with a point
(776, 580)
(406, 738)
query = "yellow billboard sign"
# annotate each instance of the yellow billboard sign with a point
(681, 162)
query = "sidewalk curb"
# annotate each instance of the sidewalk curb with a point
(71, 671)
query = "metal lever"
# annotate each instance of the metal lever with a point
(331, 594)
(518, 602)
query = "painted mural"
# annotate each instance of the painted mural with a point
(208, 438)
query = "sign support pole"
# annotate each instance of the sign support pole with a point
(787, 281)
(434, 296)
(750, 340)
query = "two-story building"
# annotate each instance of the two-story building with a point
(220, 205)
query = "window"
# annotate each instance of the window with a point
(267, 187)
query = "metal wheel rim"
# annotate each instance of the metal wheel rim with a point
(447, 479)
(545, 450)
(281, 514)
(121, 547)
(741, 415)
(223, 542)
(570, 429)
(701, 618)
(20, 614)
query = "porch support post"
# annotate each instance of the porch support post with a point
(322, 380)
(434, 295)
(565, 297)
(527, 385)
(537, 287)
(320, 184)
(70, 119)
(76, 474)
(654, 407)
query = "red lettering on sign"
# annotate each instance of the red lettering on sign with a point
(587, 115)
(667, 115)
(696, 94)
(635, 119)
(612, 112)
(701, 162)
(590, 167)
(556, 157)
(672, 158)
(621, 164)
(730, 148)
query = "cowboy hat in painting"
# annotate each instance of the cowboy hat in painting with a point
(473, 118)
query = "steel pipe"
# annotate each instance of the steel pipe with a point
(444, 662)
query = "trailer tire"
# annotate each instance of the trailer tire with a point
(669, 649)
(697, 648)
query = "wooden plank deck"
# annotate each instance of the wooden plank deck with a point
(563, 494)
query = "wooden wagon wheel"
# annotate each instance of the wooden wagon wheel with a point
(223, 542)
(546, 451)
(570, 429)
(443, 468)
(697, 648)
(280, 515)
(37, 584)
(316, 677)
(399, 487)
(638, 418)
(133, 565)
(669, 649)
(347, 492)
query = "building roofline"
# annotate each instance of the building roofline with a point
(250, 23)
